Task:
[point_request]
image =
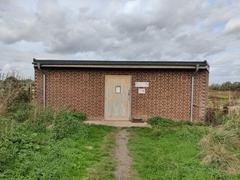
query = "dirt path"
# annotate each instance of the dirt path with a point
(124, 161)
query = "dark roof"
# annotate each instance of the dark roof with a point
(120, 64)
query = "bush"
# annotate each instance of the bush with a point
(22, 98)
(67, 123)
(13, 93)
(80, 116)
(9, 89)
(163, 122)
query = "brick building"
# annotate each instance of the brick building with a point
(124, 90)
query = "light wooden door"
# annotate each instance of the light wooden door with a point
(117, 97)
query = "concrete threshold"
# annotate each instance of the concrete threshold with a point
(117, 123)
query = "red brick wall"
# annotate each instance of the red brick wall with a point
(168, 94)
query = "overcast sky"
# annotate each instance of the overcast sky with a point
(122, 30)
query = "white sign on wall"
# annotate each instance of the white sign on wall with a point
(141, 84)
(141, 90)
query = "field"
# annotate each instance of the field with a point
(218, 99)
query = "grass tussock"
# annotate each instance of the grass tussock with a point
(221, 146)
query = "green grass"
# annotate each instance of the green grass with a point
(47, 144)
(73, 157)
(170, 153)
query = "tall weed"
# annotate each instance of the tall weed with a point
(220, 147)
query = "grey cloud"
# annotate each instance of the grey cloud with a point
(197, 44)
(155, 29)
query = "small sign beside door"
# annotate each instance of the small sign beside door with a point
(141, 84)
(141, 90)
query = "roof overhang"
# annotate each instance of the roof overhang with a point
(44, 63)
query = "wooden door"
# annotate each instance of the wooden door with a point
(117, 97)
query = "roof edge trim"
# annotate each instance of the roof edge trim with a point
(121, 64)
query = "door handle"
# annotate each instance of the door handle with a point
(129, 93)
